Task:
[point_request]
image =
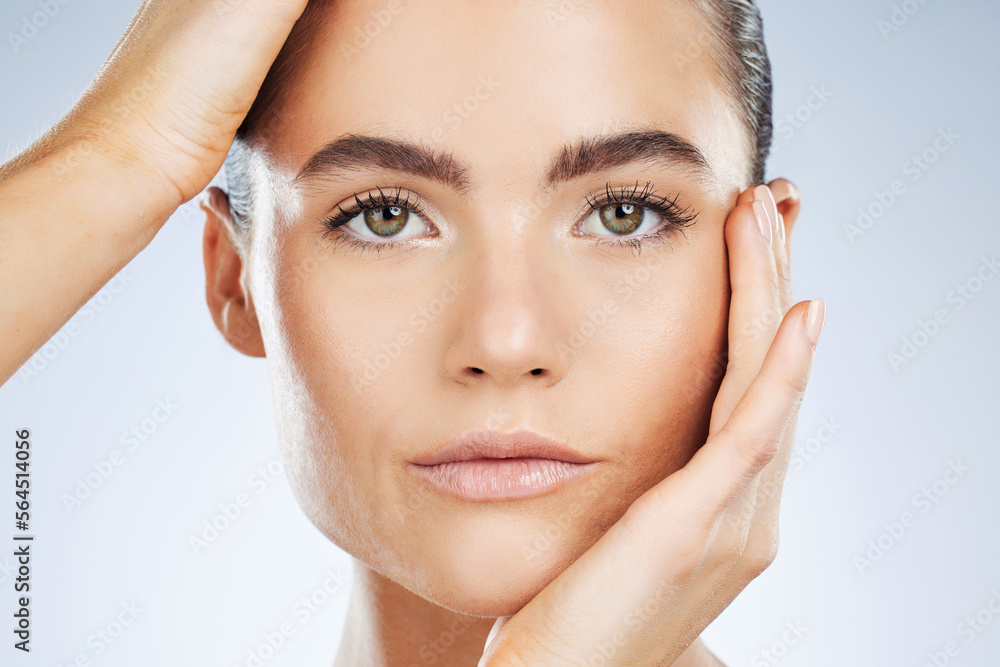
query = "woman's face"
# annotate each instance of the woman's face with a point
(379, 353)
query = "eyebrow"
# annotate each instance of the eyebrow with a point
(596, 154)
(354, 152)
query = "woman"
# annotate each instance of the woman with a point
(521, 289)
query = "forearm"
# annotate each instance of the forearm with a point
(149, 134)
(72, 214)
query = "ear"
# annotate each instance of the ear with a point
(789, 201)
(226, 290)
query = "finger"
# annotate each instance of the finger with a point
(488, 650)
(754, 431)
(178, 85)
(780, 245)
(720, 477)
(771, 480)
(755, 306)
(757, 438)
(788, 194)
(656, 551)
(754, 517)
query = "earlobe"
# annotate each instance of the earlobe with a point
(230, 304)
(788, 200)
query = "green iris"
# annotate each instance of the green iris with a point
(621, 218)
(386, 221)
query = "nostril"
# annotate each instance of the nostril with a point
(477, 370)
(537, 371)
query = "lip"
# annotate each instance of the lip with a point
(492, 444)
(485, 465)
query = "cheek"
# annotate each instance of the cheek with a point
(662, 359)
(313, 342)
(342, 340)
(348, 389)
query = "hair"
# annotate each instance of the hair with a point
(735, 47)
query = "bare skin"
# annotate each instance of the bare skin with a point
(687, 528)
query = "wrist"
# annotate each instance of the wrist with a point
(113, 173)
(105, 144)
(82, 177)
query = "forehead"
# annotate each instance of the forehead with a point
(503, 86)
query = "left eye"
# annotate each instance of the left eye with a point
(620, 219)
(387, 221)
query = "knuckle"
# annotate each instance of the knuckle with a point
(649, 510)
(688, 543)
(773, 280)
(687, 557)
(758, 448)
(744, 365)
(761, 552)
(757, 567)
(755, 444)
(783, 274)
(791, 388)
(731, 554)
(759, 562)
(786, 293)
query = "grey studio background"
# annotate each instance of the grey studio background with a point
(890, 545)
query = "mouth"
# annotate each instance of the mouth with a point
(486, 465)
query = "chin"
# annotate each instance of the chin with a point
(492, 559)
(480, 581)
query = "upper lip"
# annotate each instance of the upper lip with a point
(492, 444)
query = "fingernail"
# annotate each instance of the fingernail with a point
(763, 193)
(781, 228)
(763, 221)
(815, 319)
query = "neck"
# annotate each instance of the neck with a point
(388, 626)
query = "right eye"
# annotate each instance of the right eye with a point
(620, 219)
(387, 221)
(377, 220)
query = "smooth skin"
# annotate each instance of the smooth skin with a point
(695, 540)
(124, 163)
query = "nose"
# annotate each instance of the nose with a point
(510, 334)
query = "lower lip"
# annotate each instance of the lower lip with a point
(500, 479)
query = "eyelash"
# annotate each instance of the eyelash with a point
(382, 200)
(675, 218)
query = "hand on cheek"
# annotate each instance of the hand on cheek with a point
(685, 548)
